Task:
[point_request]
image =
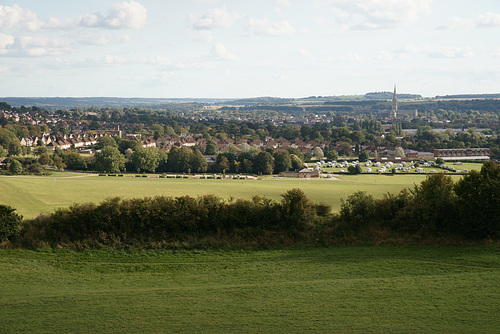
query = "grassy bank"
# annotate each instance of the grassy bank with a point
(323, 290)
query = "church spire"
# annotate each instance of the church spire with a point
(394, 110)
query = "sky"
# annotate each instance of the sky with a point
(247, 48)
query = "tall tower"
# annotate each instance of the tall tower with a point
(394, 111)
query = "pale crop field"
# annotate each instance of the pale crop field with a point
(32, 195)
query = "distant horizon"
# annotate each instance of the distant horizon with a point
(238, 98)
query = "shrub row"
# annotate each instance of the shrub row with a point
(438, 207)
(175, 219)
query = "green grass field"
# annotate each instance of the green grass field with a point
(325, 290)
(32, 195)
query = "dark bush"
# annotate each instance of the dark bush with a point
(478, 202)
(10, 223)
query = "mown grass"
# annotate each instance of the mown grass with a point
(34, 195)
(324, 290)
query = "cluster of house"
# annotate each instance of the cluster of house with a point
(84, 140)
(28, 119)
(242, 145)
(62, 141)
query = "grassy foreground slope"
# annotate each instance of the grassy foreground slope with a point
(324, 290)
(34, 195)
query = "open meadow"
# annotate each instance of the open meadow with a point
(369, 289)
(32, 195)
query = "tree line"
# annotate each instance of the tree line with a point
(436, 209)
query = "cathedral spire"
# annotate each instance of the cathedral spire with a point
(394, 110)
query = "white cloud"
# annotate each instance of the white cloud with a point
(122, 15)
(167, 76)
(50, 24)
(266, 28)
(441, 52)
(388, 56)
(105, 39)
(41, 46)
(455, 23)
(305, 52)
(106, 60)
(204, 36)
(214, 18)
(220, 52)
(28, 46)
(489, 20)
(322, 21)
(12, 17)
(352, 57)
(452, 52)
(378, 14)
(5, 41)
(195, 66)
(385, 56)
(205, 1)
(280, 4)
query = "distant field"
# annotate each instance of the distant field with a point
(323, 290)
(33, 195)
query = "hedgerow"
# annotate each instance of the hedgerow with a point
(437, 208)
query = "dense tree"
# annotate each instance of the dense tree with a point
(318, 153)
(354, 169)
(296, 151)
(357, 136)
(9, 141)
(332, 155)
(478, 199)
(263, 163)
(146, 159)
(179, 159)
(363, 156)
(223, 164)
(74, 160)
(399, 152)
(106, 141)
(41, 150)
(36, 168)
(58, 163)
(198, 162)
(45, 159)
(15, 167)
(282, 161)
(297, 163)
(211, 148)
(109, 160)
(10, 223)
(5, 106)
(296, 210)
(433, 208)
(124, 144)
